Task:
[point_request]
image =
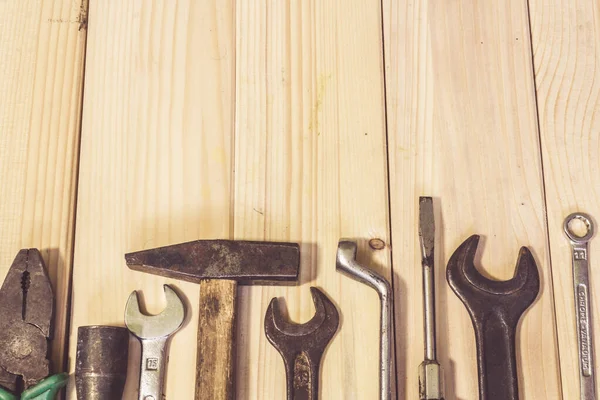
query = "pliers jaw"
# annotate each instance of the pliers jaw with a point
(26, 311)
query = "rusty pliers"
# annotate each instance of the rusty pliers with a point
(26, 313)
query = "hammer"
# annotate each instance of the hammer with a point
(219, 266)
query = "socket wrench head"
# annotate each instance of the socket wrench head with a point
(101, 362)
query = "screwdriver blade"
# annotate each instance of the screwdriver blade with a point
(426, 228)
(431, 385)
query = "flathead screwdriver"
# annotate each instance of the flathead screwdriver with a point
(431, 385)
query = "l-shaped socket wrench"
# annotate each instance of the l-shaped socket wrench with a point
(346, 264)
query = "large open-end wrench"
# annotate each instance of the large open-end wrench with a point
(495, 308)
(581, 288)
(154, 333)
(302, 345)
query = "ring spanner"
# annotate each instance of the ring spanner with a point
(581, 288)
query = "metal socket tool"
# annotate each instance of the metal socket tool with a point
(346, 263)
(431, 376)
(101, 363)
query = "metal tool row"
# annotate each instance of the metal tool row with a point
(495, 307)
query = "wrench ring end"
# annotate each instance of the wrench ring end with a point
(589, 224)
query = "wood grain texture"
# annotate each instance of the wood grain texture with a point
(155, 158)
(566, 44)
(310, 166)
(462, 128)
(42, 47)
(215, 373)
(157, 161)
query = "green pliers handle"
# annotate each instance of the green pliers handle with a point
(45, 390)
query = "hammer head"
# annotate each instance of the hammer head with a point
(247, 262)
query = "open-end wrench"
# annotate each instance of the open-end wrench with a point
(346, 263)
(154, 332)
(581, 288)
(302, 345)
(495, 308)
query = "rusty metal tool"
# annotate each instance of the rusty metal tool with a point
(26, 312)
(154, 333)
(346, 264)
(101, 362)
(582, 289)
(431, 379)
(219, 266)
(495, 308)
(302, 345)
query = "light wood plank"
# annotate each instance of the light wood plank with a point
(462, 128)
(310, 166)
(155, 158)
(566, 42)
(42, 45)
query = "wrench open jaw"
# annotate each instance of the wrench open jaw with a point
(464, 278)
(166, 323)
(154, 333)
(495, 308)
(302, 345)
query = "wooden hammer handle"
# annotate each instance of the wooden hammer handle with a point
(215, 363)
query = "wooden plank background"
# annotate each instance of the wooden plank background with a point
(304, 121)
(156, 158)
(42, 46)
(566, 38)
(462, 127)
(309, 144)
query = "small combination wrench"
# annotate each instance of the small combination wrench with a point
(302, 345)
(154, 333)
(581, 287)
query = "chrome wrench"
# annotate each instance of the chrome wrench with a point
(154, 333)
(346, 263)
(581, 287)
